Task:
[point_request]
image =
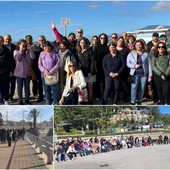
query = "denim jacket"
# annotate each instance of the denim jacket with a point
(132, 60)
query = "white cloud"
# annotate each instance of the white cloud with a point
(93, 6)
(161, 6)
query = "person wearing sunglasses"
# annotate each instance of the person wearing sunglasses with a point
(74, 80)
(114, 37)
(79, 33)
(100, 51)
(161, 68)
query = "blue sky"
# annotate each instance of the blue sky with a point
(164, 109)
(15, 112)
(31, 17)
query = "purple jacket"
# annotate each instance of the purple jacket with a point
(23, 63)
(50, 62)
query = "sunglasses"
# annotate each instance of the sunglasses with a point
(71, 65)
(79, 32)
(103, 38)
(161, 46)
(113, 37)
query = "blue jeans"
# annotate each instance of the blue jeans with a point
(26, 83)
(138, 87)
(61, 155)
(51, 93)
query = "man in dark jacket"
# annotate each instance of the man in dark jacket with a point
(12, 83)
(5, 70)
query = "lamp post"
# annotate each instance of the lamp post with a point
(7, 118)
(24, 117)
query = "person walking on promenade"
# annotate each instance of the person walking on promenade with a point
(140, 68)
(113, 66)
(9, 137)
(161, 69)
(49, 63)
(12, 83)
(23, 57)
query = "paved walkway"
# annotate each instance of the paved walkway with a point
(21, 155)
(150, 157)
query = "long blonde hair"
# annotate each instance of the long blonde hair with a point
(69, 73)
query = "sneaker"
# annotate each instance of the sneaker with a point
(97, 99)
(6, 103)
(133, 103)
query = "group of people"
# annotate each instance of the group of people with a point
(71, 148)
(120, 68)
(10, 135)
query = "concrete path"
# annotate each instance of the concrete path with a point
(21, 155)
(150, 157)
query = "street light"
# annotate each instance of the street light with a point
(24, 117)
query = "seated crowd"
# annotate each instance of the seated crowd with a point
(121, 69)
(71, 148)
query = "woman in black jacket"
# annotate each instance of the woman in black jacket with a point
(86, 62)
(113, 66)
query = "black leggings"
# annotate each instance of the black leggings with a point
(71, 99)
(163, 87)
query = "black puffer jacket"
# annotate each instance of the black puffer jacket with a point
(5, 60)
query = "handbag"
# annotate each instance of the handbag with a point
(33, 76)
(131, 79)
(82, 95)
(51, 79)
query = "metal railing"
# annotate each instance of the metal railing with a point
(43, 145)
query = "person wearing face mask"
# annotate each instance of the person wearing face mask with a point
(5, 70)
(23, 57)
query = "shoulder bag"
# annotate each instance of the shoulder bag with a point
(51, 79)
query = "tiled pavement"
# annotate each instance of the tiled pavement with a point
(21, 155)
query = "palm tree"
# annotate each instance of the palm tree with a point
(33, 114)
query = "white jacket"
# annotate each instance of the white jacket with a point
(78, 80)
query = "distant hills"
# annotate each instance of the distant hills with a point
(153, 27)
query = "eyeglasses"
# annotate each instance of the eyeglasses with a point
(71, 65)
(161, 46)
